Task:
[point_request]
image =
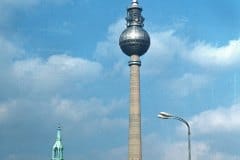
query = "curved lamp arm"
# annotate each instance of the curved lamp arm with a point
(165, 115)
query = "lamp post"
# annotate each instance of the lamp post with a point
(165, 115)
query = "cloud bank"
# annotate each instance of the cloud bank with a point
(219, 120)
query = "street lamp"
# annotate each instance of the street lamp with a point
(165, 115)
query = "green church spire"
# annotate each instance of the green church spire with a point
(57, 150)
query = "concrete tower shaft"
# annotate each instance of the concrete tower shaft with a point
(134, 144)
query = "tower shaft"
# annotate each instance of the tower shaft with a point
(134, 143)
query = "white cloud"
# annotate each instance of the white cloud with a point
(109, 52)
(155, 147)
(200, 151)
(164, 47)
(4, 110)
(80, 110)
(188, 83)
(207, 55)
(55, 72)
(8, 7)
(220, 120)
(93, 113)
(9, 50)
(162, 44)
(167, 48)
(109, 48)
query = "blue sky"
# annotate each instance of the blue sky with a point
(60, 63)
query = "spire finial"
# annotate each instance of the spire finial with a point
(59, 133)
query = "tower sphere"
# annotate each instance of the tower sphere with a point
(134, 40)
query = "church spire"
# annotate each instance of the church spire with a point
(57, 150)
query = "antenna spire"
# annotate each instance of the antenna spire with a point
(134, 2)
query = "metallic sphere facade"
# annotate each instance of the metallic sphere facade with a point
(134, 40)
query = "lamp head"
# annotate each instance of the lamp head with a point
(164, 115)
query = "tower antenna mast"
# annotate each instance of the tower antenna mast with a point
(134, 2)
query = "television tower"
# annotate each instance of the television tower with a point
(134, 42)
